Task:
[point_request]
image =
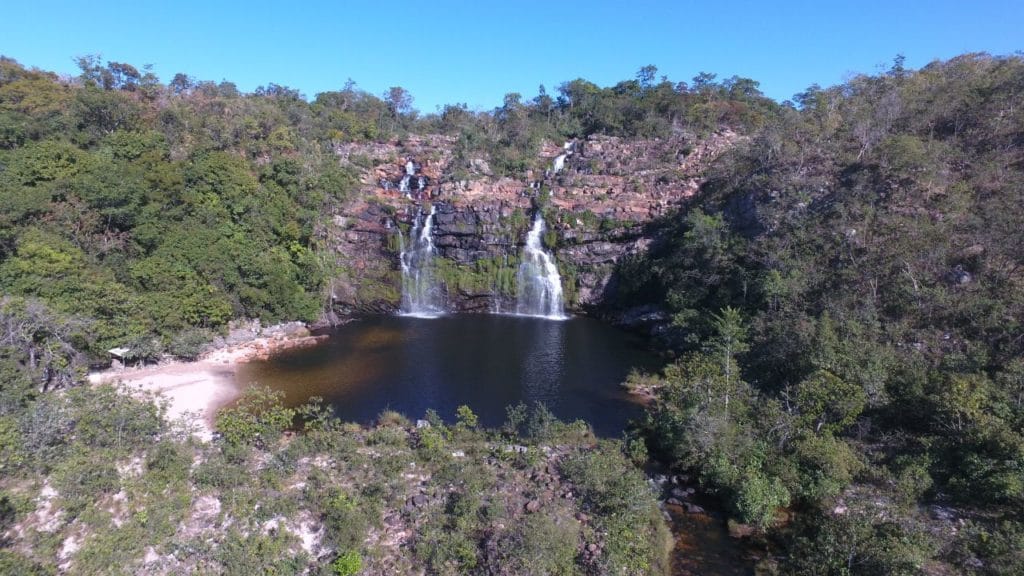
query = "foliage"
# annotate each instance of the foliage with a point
(543, 545)
(347, 564)
(257, 418)
(857, 544)
(846, 295)
(613, 488)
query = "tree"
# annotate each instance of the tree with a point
(827, 403)
(646, 75)
(399, 101)
(729, 341)
(41, 344)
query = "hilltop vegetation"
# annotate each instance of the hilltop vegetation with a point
(156, 213)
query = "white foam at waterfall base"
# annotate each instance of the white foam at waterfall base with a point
(421, 295)
(539, 284)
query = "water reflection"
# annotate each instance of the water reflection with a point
(487, 362)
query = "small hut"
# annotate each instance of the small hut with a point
(117, 357)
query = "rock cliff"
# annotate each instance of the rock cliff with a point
(597, 195)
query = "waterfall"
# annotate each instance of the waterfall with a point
(421, 295)
(558, 164)
(411, 179)
(539, 285)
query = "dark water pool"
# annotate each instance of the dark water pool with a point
(487, 362)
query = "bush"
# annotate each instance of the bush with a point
(431, 443)
(347, 564)
(466, 419)
(189, 343)
(8, 513)
(257, 419)
(856, 543)
(12, 562)
(240, 555)
(346, 520)
(218, 472)
(12, 454)
(542, 544)
(393, 436)
(84, 477)
(109, 417)
(608, 482)
(169, 462)
(825, 466)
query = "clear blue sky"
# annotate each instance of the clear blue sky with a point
(447, 51)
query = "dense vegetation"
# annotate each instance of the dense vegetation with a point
(101, 475)
(156, 213)
(147, 215)
(847, 296)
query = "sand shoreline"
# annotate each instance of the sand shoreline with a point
(196, 390)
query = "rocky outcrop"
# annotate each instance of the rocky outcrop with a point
(596, 207)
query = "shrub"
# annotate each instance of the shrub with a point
(12, 562)
(84, 477)
(217, 471)
(392, 418)
(347, 564)
(346, 520)
(189, 343)
(109, 417)
(239, 555)
(393, 436)
(638, 540)
(12, 453)
(542, 544)
(466, 419)
(168, 462)
(257, 419)
(607, 481)
(431, 443)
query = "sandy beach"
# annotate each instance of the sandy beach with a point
(196, 390)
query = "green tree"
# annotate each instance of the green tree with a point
(828, 404)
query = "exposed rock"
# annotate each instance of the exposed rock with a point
(597, 207)
(681, 493)
(693, 508)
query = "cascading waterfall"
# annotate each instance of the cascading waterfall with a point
(421, 295)
(558, 164)
(410, 171)
(538, 281)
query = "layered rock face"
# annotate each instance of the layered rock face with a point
(596, 199)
